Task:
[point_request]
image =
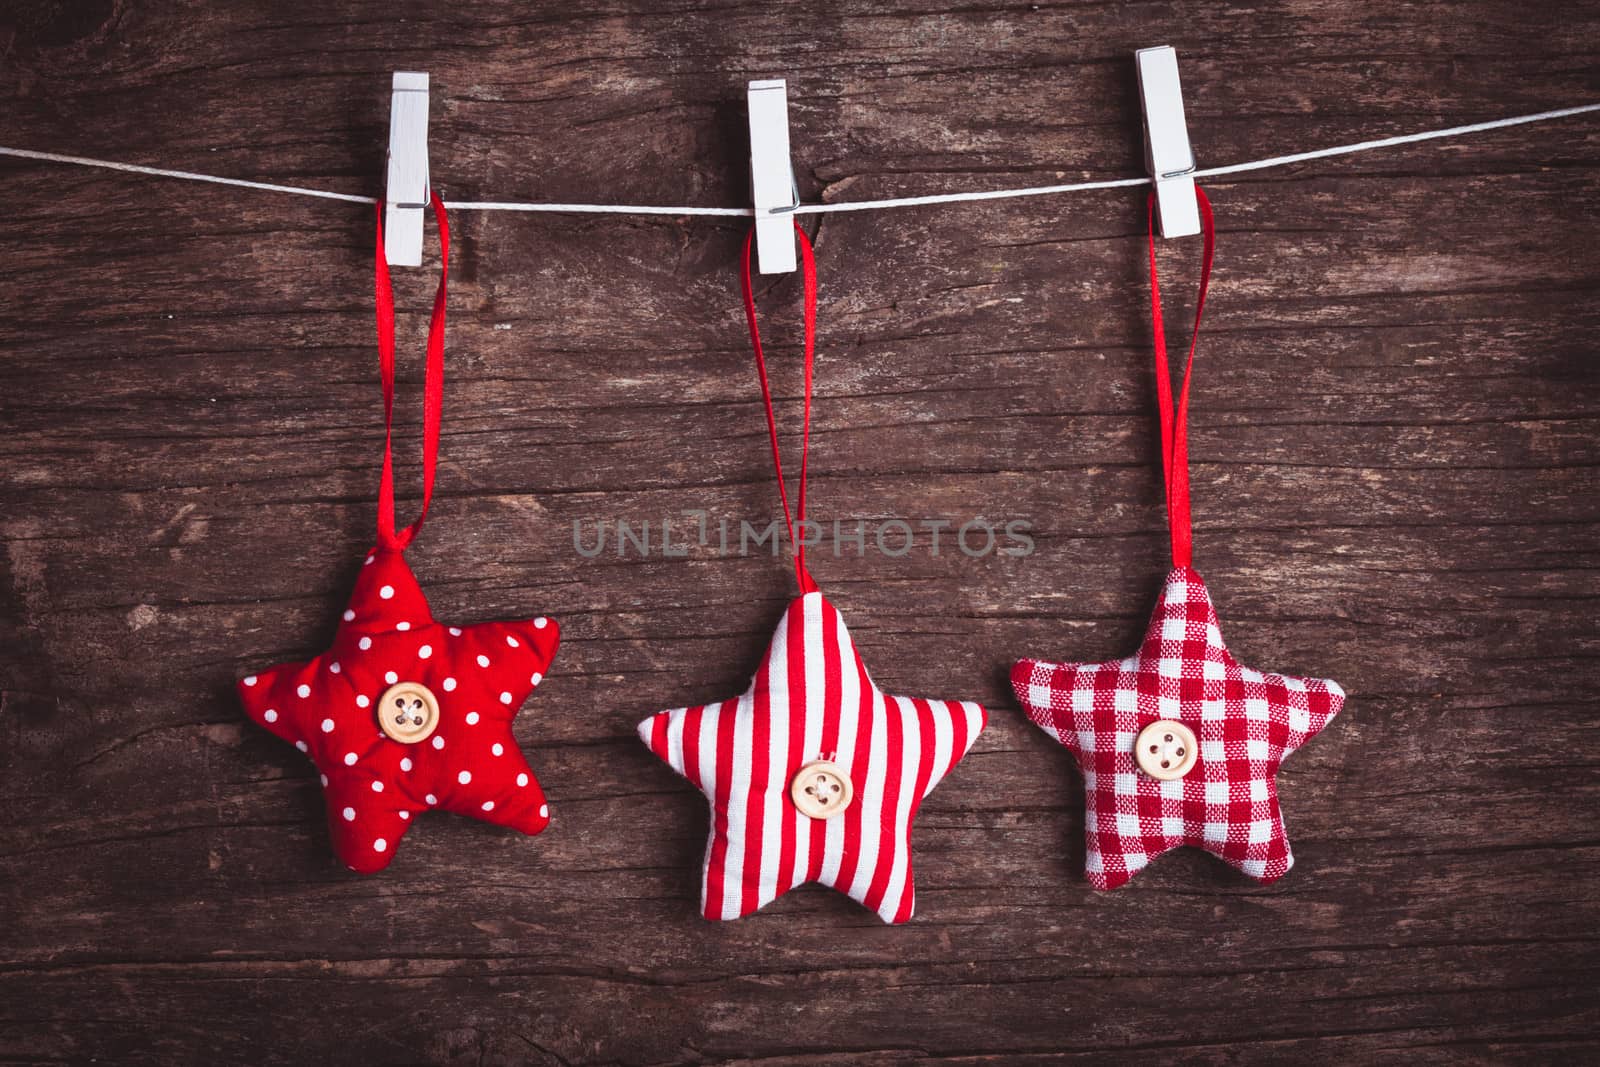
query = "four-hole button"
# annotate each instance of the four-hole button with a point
(1166, 750)
(821, 789)
(408, 712)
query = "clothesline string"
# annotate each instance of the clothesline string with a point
(817, 209)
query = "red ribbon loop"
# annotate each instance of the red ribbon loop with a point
(432, 389)
(1175, 428)
(808, 271)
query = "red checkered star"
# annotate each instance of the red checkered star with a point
(404, 714)
(812, 725)
(1222, 798)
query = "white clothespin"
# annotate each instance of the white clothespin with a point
(1167, 152)
(772, 187)
(405, 196)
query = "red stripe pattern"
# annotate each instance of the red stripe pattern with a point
(1247, 723)
(811, 698)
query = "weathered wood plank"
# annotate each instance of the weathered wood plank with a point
(1395, 473)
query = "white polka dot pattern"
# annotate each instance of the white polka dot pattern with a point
(373, 784)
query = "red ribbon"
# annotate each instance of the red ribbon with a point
(432, 390)
(1175, 430)
(808, 269)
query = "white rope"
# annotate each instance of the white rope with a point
(1405, 138)
(186, 175)
(817, 209)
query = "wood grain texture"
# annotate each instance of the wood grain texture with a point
(1395, 455)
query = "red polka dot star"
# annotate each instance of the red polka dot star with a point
(404, 715)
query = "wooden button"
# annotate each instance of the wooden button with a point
(821, 790)
(408, 712)
(1166, 750)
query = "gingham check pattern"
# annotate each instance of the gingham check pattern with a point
(811, 698)
(1247, 723)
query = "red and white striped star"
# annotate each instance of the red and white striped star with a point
(1246, 722)
(811, 699)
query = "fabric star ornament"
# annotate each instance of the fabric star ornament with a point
(813, 773)
(1179, 744)
(404, 714)
(1245, 723)
(333, 707)
(811, 703)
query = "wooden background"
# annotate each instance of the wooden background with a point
(1395, 455)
